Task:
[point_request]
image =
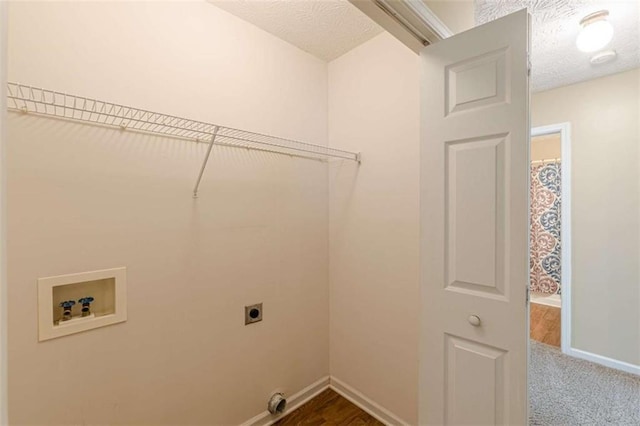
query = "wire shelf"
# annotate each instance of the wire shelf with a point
(52, 103)
(40, 101)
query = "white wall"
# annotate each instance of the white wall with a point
(84, 198)
(605, 138)
(374, 238)
(458, 15)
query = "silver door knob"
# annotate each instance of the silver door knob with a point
(474, 320)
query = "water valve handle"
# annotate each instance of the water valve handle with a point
(86, 302)
(66, 309)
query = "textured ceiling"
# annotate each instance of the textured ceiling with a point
(554, 57)
(325, 28)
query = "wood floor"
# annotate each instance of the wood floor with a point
(328, 408)
(544, 324)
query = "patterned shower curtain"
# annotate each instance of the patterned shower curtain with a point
(545, 228)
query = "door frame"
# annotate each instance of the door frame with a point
(564, 130)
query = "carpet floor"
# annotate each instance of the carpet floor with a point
(569, 391)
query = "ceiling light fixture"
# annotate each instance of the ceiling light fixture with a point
(603, 57)
(596, 32)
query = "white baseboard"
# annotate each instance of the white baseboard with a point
(553, 300)
(293, 402)
(603, 360)
(380, 413)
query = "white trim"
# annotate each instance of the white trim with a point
(366, 404)
(293, 402)
(425, 14)
(305, 395)
(551, 300)
(564, 129)
(603, 360)
(410, 21)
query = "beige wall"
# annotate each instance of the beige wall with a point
(83, 198)
(605, 138)
(458, 15)
(546, 147)
(375, 223)
(4, 416)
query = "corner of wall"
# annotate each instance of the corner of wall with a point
(374, 226)
(4, 417)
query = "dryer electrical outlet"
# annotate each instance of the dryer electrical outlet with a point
(252, 313)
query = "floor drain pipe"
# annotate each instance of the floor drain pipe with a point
(277, 403)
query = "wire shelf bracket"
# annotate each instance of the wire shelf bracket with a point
(204, 163)
(39, 101)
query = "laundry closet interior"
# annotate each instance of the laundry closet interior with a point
(281, 258)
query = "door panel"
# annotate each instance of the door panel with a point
(484, 394)
(477, 81)
(474, 215)
(474, 189)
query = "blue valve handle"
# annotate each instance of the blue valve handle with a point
(66, 306)
(86, 303)
(86, 300)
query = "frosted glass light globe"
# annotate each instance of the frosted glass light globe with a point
(594, 36)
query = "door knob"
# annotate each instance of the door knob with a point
(474, 320)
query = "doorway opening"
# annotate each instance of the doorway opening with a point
(550, 236)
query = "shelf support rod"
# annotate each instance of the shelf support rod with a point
(206, 160)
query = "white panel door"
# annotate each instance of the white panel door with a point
(474, 218)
